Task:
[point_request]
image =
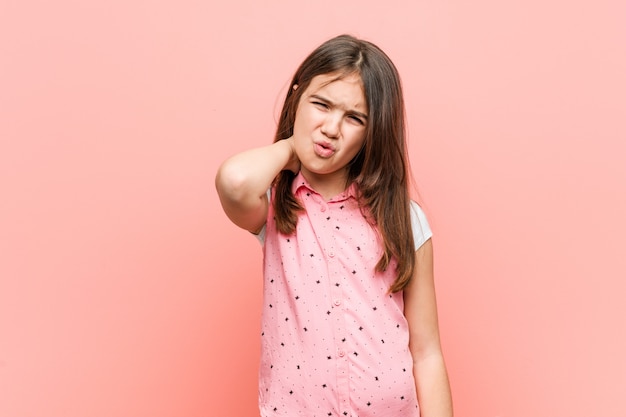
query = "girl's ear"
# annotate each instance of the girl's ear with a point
(295, 87)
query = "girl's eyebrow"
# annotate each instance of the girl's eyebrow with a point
(330, 103)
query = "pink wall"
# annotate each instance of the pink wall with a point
(124, 290)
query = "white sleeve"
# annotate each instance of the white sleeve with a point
(419, 225)
(261, 235)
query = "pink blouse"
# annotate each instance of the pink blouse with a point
(334, 342)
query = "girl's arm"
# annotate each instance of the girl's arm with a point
(242, 182)
(420, 309)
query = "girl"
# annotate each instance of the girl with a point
(349, 325)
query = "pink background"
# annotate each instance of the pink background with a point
(125, 291)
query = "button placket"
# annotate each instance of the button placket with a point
(337, 299)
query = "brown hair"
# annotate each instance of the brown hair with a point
(380, 169)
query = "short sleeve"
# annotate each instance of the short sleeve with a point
(419, 225)
(261, 235)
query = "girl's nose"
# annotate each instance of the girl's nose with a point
(331, 126)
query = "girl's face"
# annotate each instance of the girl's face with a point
(329, 130)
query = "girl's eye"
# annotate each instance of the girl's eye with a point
(320, 104)
(356, 119)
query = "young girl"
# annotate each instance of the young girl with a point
(349, 325)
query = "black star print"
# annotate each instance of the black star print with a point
(311, 255)
(337, 227)
(271, 280)
(356, 354)
(324, 386)
(375, 309)
(282, 344)
(328, 357)
(376, 378)
(402, 398)
(345, 413)
(298, 366)
(288, 240)
(286, 318)
(318, 281)
(343, 340)
(306, 330)
(271, 306)
(291, 392)
(328, 218)
(360, 327)
(369, 403)
(336, 284)
(328, 312)
(298, 297)
(353, 271)
(382, 340)
(358, 248)
(341, 207)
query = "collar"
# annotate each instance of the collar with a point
(300, 182)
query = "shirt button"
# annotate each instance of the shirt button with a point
(337, 302)
(331, 254)
(323, 208)
(341, 353)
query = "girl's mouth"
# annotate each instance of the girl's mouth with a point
(323, 151)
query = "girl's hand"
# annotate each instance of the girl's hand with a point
(294, 163)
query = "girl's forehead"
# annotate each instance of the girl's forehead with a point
(342, 90)
(341, 86)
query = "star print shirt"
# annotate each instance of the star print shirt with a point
(334, 342)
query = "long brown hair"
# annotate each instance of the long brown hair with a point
(380, 169)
